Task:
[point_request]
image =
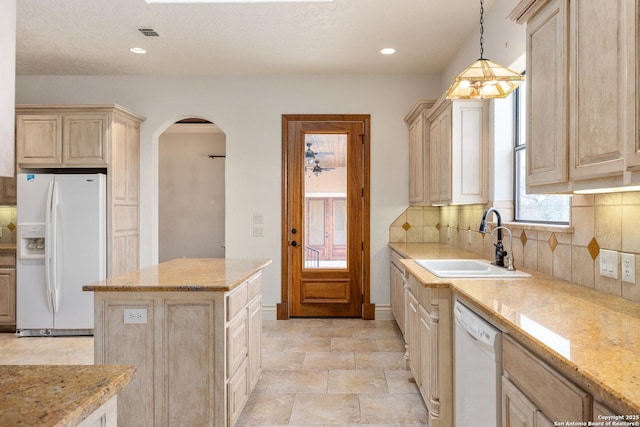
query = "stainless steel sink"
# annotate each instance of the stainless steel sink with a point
(466, 268)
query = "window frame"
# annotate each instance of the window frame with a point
(518, 147)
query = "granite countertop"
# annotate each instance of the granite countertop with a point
(184, 274)
(8, 247)
(591, 337)
(46, 395)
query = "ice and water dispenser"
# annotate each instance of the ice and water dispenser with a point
(31, 241)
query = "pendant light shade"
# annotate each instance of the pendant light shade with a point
(484, 79)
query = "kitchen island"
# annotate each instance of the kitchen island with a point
(45, 395)
(588, 339)
(192, 328)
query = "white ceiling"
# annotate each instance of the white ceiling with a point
(93, 37)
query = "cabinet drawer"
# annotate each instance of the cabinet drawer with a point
(237, 301)
(7, 260)
(255, 286)
(237, 343)
(549, 390)
(237, 394)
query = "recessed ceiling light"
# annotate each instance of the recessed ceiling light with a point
(138, 50)
(388, 51)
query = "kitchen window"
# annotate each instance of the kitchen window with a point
(540, 208)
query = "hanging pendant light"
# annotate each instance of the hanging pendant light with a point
(484, 79)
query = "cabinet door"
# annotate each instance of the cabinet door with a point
(542, 421)
(434, 160)
(444, 157)
(417, 191)
(397, 296)
(413, 337)
(7, 296)
(255, 341)
(547, 93)
(429, 361)
(517, 410)
(469, 151)
(8, 191)
(84, 139)
(39, 139)
(600, 79)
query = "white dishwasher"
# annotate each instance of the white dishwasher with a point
(477, 370)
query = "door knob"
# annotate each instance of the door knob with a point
(294, 231)
(294, 243)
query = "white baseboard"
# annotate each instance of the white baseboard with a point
(383, 312)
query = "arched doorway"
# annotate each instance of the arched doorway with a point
(191, 190)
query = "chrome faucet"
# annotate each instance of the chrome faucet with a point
(510, 257)
(500, 252)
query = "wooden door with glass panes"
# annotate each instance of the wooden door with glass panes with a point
(325, 234)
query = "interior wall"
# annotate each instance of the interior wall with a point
(249, 110)
(191, 223)
(7, 86)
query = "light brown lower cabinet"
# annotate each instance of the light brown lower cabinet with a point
(428, 336)
(518, 411)
(7, 290)
(535, 394)
(397, 295)
(197, 353)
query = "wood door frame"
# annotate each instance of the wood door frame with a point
(368, 309)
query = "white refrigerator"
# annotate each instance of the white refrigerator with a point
(61, 247)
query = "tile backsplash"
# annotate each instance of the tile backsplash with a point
(600, 221)
(8, 222)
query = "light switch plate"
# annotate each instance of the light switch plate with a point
(609, 263)
(629, 268)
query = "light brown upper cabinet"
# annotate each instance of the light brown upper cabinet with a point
(419, 153)
(458, 152)
(66, 139)
(103, 137)
(448, 152)
(581, 94)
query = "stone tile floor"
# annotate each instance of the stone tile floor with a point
(316, 372)
(333, 372)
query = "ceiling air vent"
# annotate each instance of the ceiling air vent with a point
(148, 32)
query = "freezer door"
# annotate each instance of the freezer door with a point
(32, 310)
(80, 253)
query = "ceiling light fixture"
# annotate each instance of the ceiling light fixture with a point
(235, 1)
(388, 51)
(138, 50)
(484, 79)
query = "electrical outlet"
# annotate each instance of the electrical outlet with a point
(609, 263)
(135, 316)
(628, 268)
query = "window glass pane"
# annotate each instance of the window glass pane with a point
(532, 207)
(538, 207)
(325, 190)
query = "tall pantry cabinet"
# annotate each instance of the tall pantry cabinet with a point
(95, 138)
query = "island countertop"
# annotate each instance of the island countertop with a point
(592, 337)
(184, 274)
(46, 395)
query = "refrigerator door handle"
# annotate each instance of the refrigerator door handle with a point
(48, 242)
(54, 249)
